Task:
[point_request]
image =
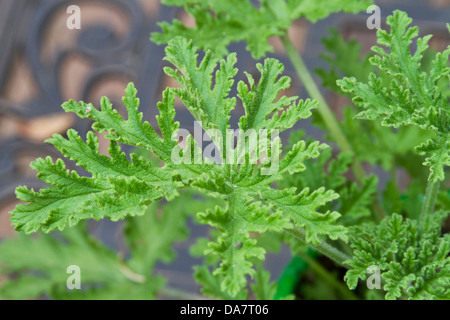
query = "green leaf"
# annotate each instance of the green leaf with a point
(53, 208)
(206, 99)
(371, 142)
(259, 102)
(150, 239)
(414, 97)
(241, 183)
(438, 151)
(118, 187)
(355, 201)
(234, 245)
(263, 288)
(302, 209)
(412, 256)
(220, 23)
(42, 264)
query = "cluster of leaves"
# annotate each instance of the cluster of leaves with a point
(414, 262)
(262, 288)
(371, 142)
(249, 211)
(354, 201)
(412, 256)
(413, 97)
(219, 23)
(120, 188)
(37, 265)
(390, 148)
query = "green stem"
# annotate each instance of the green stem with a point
(323, 247)
(430, 199)
(326, 113)
(329, 278)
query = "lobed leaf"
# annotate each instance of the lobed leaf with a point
(120, 186)
(414, 97)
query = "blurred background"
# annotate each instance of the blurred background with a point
(43, 63)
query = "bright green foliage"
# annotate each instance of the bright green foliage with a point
(413, 96)
(379, 145)
(219, 23)
(262, 287)
(354, 201)
(412, 256)
(255, 197)
(411, 253)
(371, 142)
(119, 188)
(241, 186)
(42, 261)
(322, 172)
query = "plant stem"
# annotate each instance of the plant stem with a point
(430, 199)
(326, 113)
(324, 248)
(325, 275)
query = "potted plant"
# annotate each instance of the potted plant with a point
(254, 192)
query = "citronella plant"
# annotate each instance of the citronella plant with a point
(219, 23)
(407, 93)
(412, 255)
(413, 97)
(372, 143)
(254, 196)
(120, 187)
(105, 274)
